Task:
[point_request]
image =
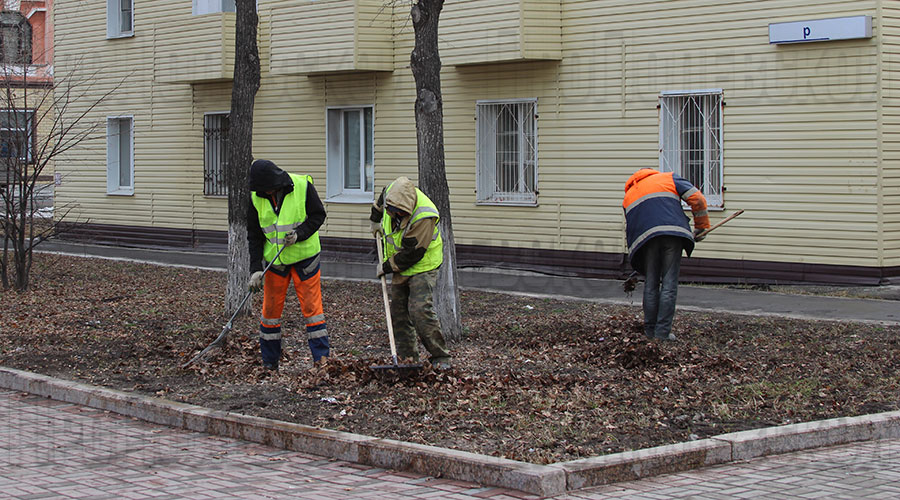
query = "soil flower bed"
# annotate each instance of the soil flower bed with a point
(534, 379)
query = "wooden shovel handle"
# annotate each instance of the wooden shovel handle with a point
(387, 304)
(723, 221)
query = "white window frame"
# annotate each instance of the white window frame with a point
(706, 145)
(114, 17)
(206, 155)
(334, 145)
(28, 129)
(113, 155)
(487, 190)
(201, 7)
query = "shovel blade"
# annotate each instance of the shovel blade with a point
(417, 366)
(395, 372)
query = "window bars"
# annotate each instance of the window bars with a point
(16, 135)
(690, 140)
(15, 39)
(507, 152)
(215, 154)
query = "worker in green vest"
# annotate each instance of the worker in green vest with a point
(285, 212)
(413, 251)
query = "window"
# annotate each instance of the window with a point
(690, 139)
(120, 155)
(506, 168)
(16, 135)
(15, 38)
(211, 6)
(119, 18)
(215, 154)
(350, 165)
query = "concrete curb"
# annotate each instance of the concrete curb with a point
(543, 480)
(385, 453)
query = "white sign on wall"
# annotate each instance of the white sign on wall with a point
(821, 30)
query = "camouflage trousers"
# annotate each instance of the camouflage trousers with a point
(412, 312)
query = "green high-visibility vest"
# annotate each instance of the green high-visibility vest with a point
(276, 226)
(434, 254)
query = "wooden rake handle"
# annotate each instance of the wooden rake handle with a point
(723, 221)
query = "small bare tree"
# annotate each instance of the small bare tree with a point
(39, 124)
(425, 62)
(240, 149)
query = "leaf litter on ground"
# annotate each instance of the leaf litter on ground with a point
(534, 379)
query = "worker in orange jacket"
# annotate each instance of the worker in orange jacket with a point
(657, 232)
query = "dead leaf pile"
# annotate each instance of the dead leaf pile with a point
(534, 379)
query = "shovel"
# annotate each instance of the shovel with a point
(723, 221)
(395, 370)
(220, 340)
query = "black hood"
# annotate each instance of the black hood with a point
(266, 176)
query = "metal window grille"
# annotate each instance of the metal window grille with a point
(507, 152)
(690, 141)
(16, 135)
(15, 38)
(215, 154)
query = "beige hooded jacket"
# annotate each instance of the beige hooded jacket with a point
(403, 196)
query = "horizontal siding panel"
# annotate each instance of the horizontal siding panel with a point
(801, 142)
(330, 36)
(486, 31)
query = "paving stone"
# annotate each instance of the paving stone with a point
(86, 453)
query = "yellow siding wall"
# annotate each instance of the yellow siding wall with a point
(541, 29)
(212, 47)
(800, 132)
(890, 26)
(801, 137)
(167, 177)
(374, 44)
(312, 36)
(330, 35)
(480, 31)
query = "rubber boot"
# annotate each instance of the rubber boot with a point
(320, 348)
(271, 353)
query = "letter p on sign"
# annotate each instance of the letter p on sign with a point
(806, 32)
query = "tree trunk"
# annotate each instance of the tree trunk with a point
(240, 151)
(426, 68)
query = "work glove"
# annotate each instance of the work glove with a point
(256, 281)
(290, 238)
(377, 230)
(380, 272)
(697, 232)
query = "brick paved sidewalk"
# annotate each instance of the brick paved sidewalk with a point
(51, 449)
(861, 470)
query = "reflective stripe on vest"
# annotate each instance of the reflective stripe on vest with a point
(393, 240)
(276, 226)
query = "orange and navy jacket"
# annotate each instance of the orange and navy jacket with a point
(653, 208)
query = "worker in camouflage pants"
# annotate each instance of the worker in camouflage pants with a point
(413, 251)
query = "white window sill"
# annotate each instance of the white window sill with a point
(121, 192)
(709, 208)
(507, 203)
(358, 199)
(123, 35)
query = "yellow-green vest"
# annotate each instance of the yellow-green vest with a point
(434, 254)
(276, 226)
